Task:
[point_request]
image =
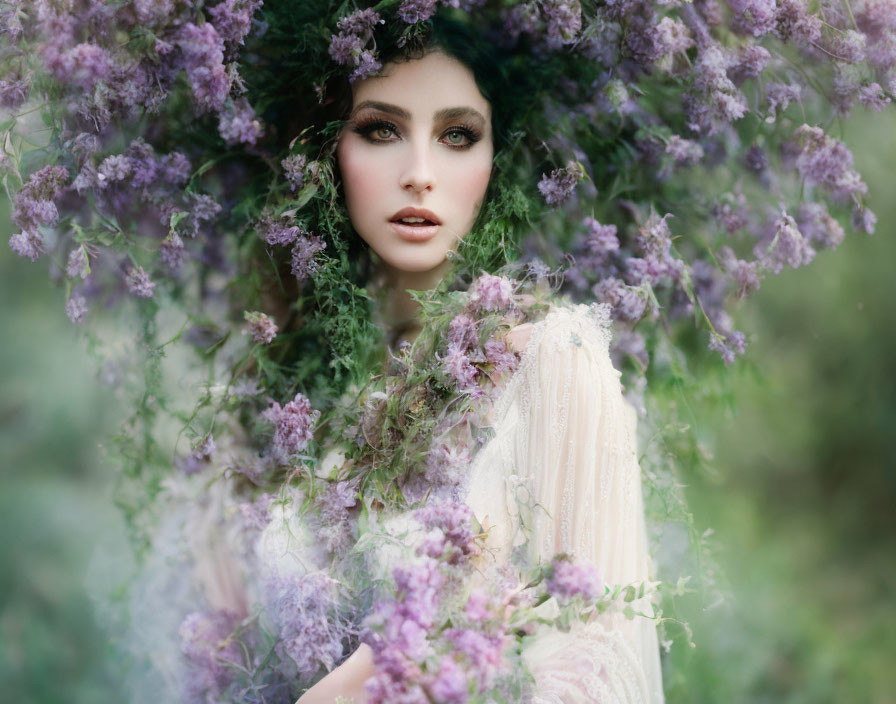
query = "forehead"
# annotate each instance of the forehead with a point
(424, 86)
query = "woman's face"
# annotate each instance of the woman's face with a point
(415, 158)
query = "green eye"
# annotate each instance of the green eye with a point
(455, 137)
(382, 133)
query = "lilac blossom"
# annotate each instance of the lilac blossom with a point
(335, 530)
(83, 65)
(233, 19)
(414, 11)
(348, 47)
(873, 97)
(560, 184)
(34, 205)
(863, 219)
(13, 92)
(499, 355)
(446, 465)
(744, 275)
(139, 283)
(76, 308)
(602, 240)
(294, 169)
(77, 265)
(462, 332)
(628, 302)
(754, 17)
(304, 611)
(208, 646)
(683, 151)
(818, 226)
(199, 456)
(304, 251)
(277, 230)
(458, 366)
(717, 99)
(629, 344)
(794, 21)
(787, 247)
(450, 538)
(749, 62)
(203, 60)
(261, 327)
(483, 652)
(293, 425)
(728, 346)
(779, 96)
(828, 162)
(562, 19)
(27, 244)
(238, 123)
(172, 251)
(450, 684)
(492, 293)
(116, 167)
(566, 580)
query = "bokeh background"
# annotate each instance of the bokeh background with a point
(799, 494)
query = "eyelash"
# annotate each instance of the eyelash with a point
(366, 130)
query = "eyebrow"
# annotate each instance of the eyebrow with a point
(443, 114)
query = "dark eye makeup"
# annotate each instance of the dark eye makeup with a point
(368, 129)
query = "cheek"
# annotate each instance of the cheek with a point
(473, 187)
(358, 178)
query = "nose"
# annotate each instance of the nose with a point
(419, 173)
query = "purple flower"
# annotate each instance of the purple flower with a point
(360, 21)
(729, 347)
(139, 283)
(483, 652)
(788, 246)
(828, 163)
(559, 186)
(462, 332)
(304, 610)
(500, 357)
(750, 61)
(261, 327)
(77, 266)
(76, 308)
(33, 205)
(277, 230)
(817, 225)
(602, 240)
(335, 530)
(863, 219)
(172, 251)
(744, 275)
(199, 456)
(754, 17)
(779, 96)
(563, 20)
(13, 92)
(451, 537)
(477, 608)
(293, 423)
(628, 302)
(457, 364)
(27, 244)
(207, 643)
(237, 123)
(113, 169)
(492, 293)
(367, 65)
(203, 60)
(566, 580)
(629, 344)
(873, 97)
(294, 168)
(303, 252)
(450, 684)
(684, 151)
(233, 19)
(84, 65)
(445, 466)
(414, 11)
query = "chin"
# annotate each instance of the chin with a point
(417, 264)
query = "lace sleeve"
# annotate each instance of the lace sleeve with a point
(576, 451)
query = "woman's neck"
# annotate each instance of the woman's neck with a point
(401, 313)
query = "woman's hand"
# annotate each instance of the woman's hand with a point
(345, 681)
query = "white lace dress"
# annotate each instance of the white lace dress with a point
(561, 474)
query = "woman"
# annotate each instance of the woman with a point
(415, 159)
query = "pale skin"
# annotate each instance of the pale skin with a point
(419, 136)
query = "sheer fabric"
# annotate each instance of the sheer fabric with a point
(561, 474)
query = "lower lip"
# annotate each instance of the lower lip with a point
(415, 233)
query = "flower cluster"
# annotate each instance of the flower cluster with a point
(293, 426)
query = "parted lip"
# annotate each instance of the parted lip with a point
(416, 213)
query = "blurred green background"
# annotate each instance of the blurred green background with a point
(800, 495)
